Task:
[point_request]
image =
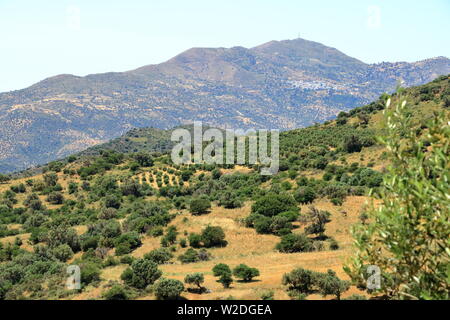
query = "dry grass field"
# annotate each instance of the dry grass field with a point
(245, 246)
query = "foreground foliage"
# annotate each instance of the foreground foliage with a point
(408, 236)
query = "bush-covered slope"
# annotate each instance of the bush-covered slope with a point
(127, 217)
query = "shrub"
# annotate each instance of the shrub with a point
(131, 188)
(216, 174)
(317, 245)
(112, 201)
(116, 292)
(4, 178)
(33, 202)
(299, 281)
(170, 237)
(50, 179)
(226, 280)
(352, 144)
(63, 235)
(20, 188)
(333, 244)
(72, 188)
(447, 102)
(363, 217)
(107, 213)
(168, 289)
(245, 272)
(127, 260)
(337, 201)
(195, 279)
(230, 200)
(195, 240)
(291, 243)
(267, 295)
(341, 121)
(292, 174)
(55, 198)
(159, 256)
(221, 269)
(190, 256)
(318, 220)
(156, 231)
(329, 284)
(305, 195)
(213, 237)
(272, 204)
(143, 159)
(90, 272)
(200, 206)
(127, 242)
(186, 175)
(134, 166)
(286, 185)
(142, 273)
(62, 252)
(320, 163)
(147, 215)
(262, 224)
(203, 255)
(107, 229)
(291, 216)
(302, 181)
(280, 225)
(110, 261)
(327, 176)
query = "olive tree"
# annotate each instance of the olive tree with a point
(245, 272)
(408, 235)
(195, 279)
(168, 289)
(200, 206)
(299, 282)
(221, 269)
(142, 273)
(329, 284)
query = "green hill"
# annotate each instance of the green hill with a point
(120, 205)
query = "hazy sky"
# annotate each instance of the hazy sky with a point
(39, 39)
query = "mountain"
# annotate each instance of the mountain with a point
(280, 84)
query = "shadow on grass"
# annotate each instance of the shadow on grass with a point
(248, 281)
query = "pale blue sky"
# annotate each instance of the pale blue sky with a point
(39, 39)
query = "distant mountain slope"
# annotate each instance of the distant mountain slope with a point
(280, 84)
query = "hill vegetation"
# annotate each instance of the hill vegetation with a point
(138, 226)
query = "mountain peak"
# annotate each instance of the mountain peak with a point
(300, 50)
(288, 42)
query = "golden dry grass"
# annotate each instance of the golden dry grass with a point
(245, 246)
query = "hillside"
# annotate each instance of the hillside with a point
(117, 207)
(280, 84)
